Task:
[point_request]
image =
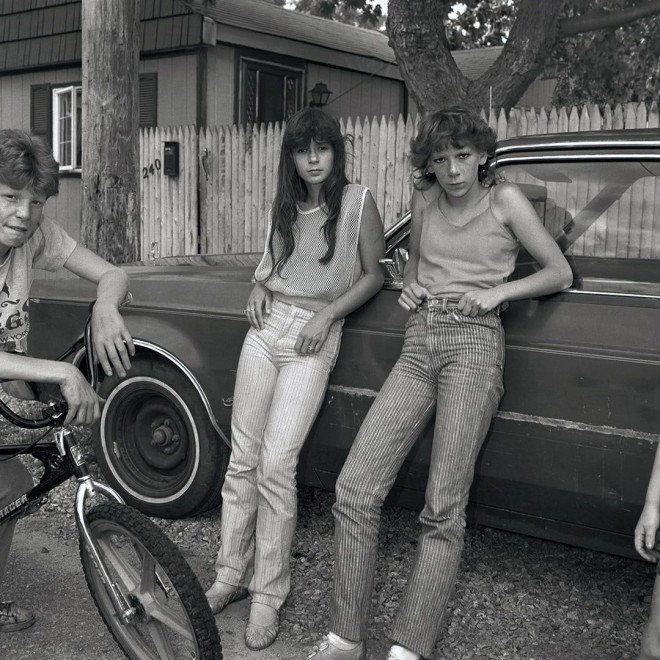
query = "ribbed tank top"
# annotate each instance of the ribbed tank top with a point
(303, 275)
(455, 259)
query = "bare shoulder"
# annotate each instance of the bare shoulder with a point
(509, 204)
(506, 193)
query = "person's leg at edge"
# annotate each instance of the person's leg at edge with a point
(14, 481)
(397, 417)
(650, 647)
(469, 390)
(255, 382)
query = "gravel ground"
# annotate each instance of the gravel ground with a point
(516, 597)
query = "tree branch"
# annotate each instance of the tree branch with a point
(604, 20)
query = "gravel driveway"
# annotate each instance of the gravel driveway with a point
(516, 597)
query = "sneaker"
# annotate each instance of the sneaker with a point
(13, 617)
(325, 650)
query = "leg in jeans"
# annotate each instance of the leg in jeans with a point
(299, 392)
(255, 383)
(398, 415)
(469, 389)
(278, 394)
(298, 396)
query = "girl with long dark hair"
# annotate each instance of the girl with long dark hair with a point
(321, 262)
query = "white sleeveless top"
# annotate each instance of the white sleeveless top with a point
(304, 275)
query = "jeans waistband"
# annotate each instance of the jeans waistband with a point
(443, 303)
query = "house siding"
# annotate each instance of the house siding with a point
(221, 86)
(177, 88)
(374, 96)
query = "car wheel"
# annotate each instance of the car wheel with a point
(155, 442)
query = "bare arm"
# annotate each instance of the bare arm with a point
(514, 209)
(412, 293)
(371, 245)
(112, 341)
(80, 397)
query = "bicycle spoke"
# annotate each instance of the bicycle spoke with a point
(161, 641)
(126, 573)
(172, 620)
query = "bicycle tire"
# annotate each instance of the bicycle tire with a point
(149, 570)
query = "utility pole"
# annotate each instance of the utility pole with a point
(110, 128)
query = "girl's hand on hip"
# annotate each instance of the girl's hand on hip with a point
(412, 296)
(313, 335)
(258, 306)
(479, 302)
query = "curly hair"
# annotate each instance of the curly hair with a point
(306, 125)
(26, 161)
(457, 127)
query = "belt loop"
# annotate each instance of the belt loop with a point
(444, 305)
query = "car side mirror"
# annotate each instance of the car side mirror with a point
(393, 268)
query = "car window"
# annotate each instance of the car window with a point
(605, 215)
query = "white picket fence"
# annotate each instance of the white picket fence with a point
(219, 201)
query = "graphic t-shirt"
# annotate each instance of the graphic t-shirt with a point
(48, 248)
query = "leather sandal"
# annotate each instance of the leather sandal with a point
(219, 598)
(14, 617)
(262, 628)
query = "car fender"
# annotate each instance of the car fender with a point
(181, 350)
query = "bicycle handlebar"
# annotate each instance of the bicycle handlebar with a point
(55, 413)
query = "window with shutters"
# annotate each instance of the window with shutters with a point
(56, 115)
(67, 127)
(269, 92)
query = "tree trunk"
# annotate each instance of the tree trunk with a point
(110, 137)
(417, 36)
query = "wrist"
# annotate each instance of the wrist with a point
(106, 303)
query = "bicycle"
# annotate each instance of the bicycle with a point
(143, 588)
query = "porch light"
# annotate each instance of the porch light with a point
(320, 95)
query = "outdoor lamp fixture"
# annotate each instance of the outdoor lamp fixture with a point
(320, 95)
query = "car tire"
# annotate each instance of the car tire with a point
(155, 443)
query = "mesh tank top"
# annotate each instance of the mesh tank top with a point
(303, 275)
(455, 259)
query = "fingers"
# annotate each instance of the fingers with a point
(412, 296)
(308, 345)
(83, 413)
(645, 544)
(471, 307)
(257, 310)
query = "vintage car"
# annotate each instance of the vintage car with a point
(567, 457)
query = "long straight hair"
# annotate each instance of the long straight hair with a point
(303, 127)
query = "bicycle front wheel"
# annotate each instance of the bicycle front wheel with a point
(172, 618)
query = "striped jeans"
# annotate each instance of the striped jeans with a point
(277, 397)
(453, 363)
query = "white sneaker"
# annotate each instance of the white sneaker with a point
(326, 650)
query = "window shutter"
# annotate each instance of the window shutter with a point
(148, 99)
(41, 115)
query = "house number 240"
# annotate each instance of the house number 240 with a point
(151, 169)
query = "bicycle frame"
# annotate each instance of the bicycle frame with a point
(62, 459)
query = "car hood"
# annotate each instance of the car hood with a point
(185, 282)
